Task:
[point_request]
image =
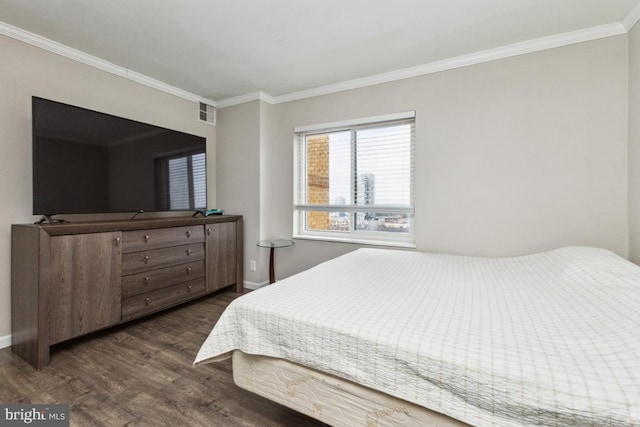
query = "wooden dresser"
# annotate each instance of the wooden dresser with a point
(71, 279)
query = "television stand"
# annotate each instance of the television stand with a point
(69, 280)
(48, 218)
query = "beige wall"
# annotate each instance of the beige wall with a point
(513, 156)
(27, 71)
(634, 144)
(238, 172)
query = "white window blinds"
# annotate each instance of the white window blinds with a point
(354, 180)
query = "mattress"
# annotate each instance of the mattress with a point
(546, 339)
(328, 398)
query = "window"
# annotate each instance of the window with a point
(182, 181)
(354, 181)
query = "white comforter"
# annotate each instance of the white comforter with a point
(549, 339)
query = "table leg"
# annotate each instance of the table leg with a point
(272, 275)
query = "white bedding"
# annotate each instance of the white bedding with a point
(548, 339)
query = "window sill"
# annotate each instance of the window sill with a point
(387, 243)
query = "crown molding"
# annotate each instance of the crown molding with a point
(511, 50)
(60, 49)
(515, 49)
(249, 97)
(93, 61)
(632, 17)
(161, 86)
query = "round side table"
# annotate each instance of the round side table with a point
(273, 244)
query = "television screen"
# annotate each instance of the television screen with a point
(90, 162)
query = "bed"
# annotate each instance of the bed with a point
(390, 337)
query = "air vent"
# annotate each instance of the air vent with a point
(207, 113)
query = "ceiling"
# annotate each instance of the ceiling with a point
(220, 49)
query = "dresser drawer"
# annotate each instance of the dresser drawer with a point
(139, 305)
(137, 262)
(161, 278)
(141, 240)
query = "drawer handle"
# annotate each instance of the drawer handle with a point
(146, 260)
(146, 238)
(189, 288)
(208, 231)
(188, 252)
(188, 234)
(117, 241)
(146, 280)
(146, 301)
(189, 270)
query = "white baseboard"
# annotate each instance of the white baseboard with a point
(5, 341)
(252, 286)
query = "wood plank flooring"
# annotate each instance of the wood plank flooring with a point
(141, 374)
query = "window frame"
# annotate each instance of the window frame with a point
(379, 238)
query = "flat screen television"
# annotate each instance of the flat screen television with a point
(86, 162)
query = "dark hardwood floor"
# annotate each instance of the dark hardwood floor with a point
(141, 374)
